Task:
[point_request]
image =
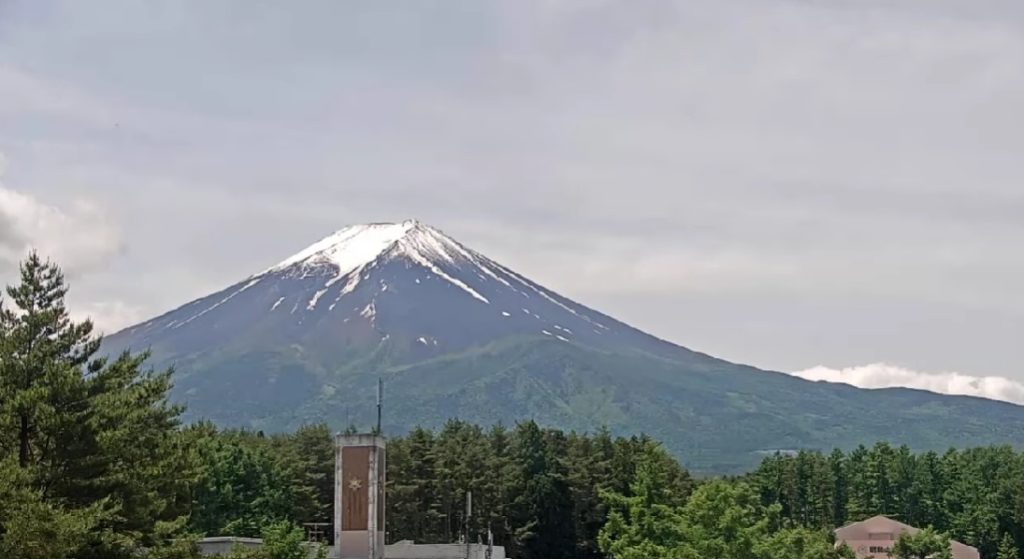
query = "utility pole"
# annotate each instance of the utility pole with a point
(380, 404)
(469, 513)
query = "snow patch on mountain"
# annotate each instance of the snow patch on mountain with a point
(316, 297)
(547, 296)
(419, 259)
(369, 311)
(219, 303)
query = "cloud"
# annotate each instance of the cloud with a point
(79, 236)
(882, 375)
(732, 176)
(110, 316)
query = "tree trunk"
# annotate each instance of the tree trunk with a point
(23, 449)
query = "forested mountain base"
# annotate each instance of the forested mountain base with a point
(539, 491)
(976, 495)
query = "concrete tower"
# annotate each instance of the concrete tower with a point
(359, 477)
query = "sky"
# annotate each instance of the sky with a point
(827, 187)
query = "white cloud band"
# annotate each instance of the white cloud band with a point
(882, 375)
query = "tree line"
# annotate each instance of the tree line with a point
(96, 464)
(976, 496)
(539, 492)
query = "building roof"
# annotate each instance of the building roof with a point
(863, 531)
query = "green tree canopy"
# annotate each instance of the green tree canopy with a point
(1007, 548)
(924, 544)
(90, 447)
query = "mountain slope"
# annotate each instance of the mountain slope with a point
(456, 334)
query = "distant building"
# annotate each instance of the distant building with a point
(875, 537)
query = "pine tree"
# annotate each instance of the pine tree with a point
(926, 491)
(860, 490)
(501, 472)
(643, 523)
(242, 489)
(542, 517)
(31, 527)
(588, 475)
(306, 459)
(903, 469)
(459, 460)
(840, 491)
(94, 440)
(1007, 548)
(42, 384)
(822, 493)
(412, 489)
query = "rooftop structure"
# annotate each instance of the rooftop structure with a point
(874, 538)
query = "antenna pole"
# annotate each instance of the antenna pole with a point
(469, 513)
(380, 403)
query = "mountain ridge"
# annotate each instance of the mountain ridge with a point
(454, 333)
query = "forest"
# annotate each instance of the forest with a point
(95, 463)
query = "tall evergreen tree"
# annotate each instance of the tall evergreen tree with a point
(42, 381)
(500, 472)
(840, 488)
(1007, 548)
(91, 437)
(306, 459)
(542, 509)
(412, 501)
(588, 466)
(242, 489)
(644, 523)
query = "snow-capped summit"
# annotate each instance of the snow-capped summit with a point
(352, 249)
(407, 283)
(352, 246)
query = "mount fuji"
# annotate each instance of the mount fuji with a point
(456, 334)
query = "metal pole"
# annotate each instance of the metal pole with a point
(469, 513)
(380, 403)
